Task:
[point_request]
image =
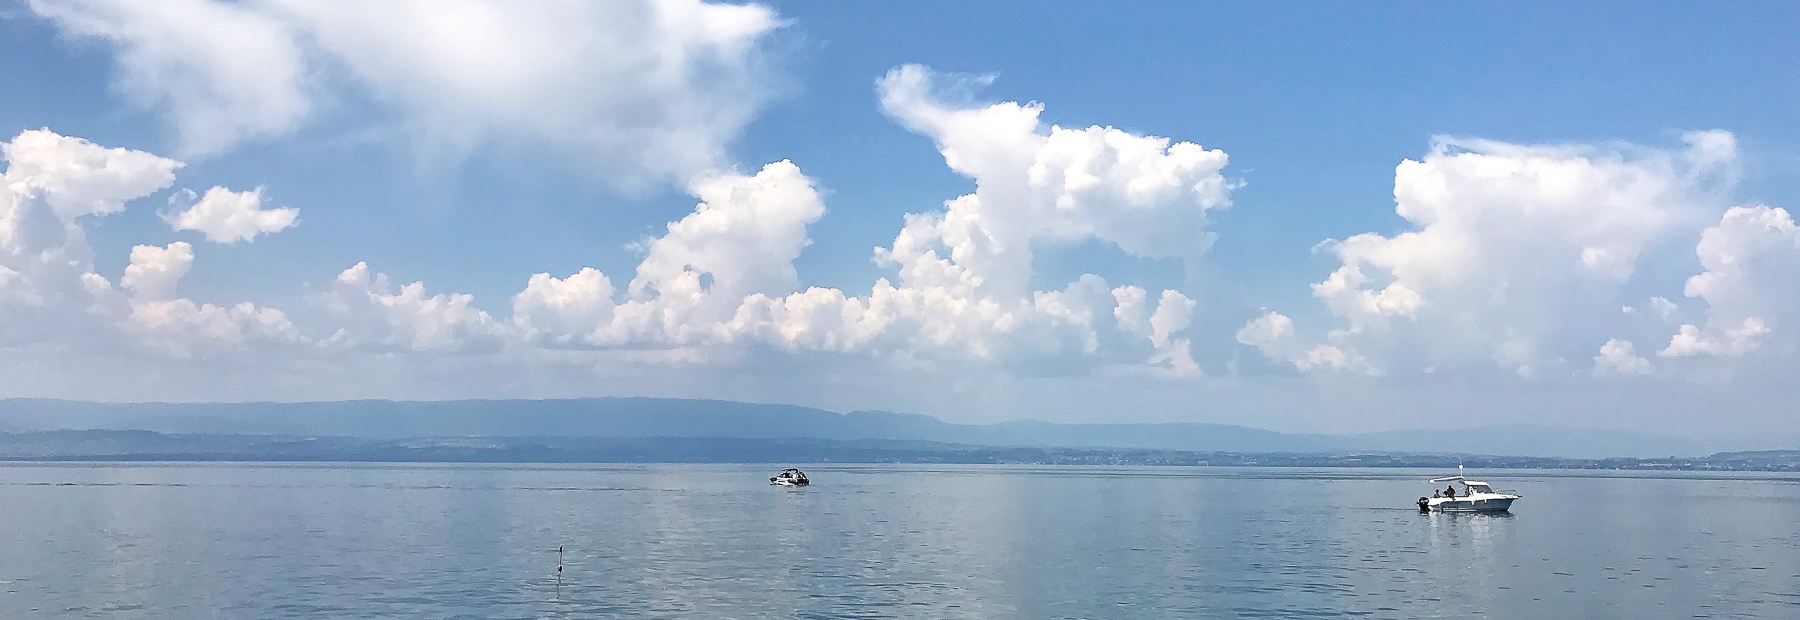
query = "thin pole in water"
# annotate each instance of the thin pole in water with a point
(559, 565)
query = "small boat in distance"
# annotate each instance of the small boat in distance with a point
(1477, 496)
(790, 477)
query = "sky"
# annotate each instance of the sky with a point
(1316, 218)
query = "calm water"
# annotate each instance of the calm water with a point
(358, 541)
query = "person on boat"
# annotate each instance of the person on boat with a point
(1436, 493)
(1450, 491)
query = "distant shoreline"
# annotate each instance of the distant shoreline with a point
(148, 446)
(650, 418)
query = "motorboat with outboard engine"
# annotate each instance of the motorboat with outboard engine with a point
(1477, 496)
(790, 477)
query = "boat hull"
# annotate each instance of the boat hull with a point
(1493, 504)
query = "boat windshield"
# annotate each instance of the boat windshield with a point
(1478, 487)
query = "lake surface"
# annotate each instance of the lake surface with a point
(187, 541)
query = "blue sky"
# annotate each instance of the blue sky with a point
(1314, 109)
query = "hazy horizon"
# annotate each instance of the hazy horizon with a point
(636, 417)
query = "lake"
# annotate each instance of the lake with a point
(253, 540)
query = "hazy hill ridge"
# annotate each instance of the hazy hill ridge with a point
(112, 445)
(656, 417)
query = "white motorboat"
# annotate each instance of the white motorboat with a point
(1476, 496)
(790, 477)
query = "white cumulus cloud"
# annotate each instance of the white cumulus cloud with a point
(374, 315)
(724, 274)
(154, 271)
(49, 291)
(563, 312)
(740, 241)
(1516, 253)
(1751, 258)
(52, 185)
(1148, 196)
(74, 177)
(1273, 334)
(225, 216)
(182, 326)
(963, 272)
(1619, 357)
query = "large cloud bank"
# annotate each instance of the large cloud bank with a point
(652, 89)
(49, 291)
(724, 275)
(1521, 258)
(1518, 264)
(720, 278)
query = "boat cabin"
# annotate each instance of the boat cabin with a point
(790, 477)
(1476, 496)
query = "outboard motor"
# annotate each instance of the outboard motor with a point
(1424, 505)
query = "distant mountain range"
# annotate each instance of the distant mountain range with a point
(681, 418)
(113, 445)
